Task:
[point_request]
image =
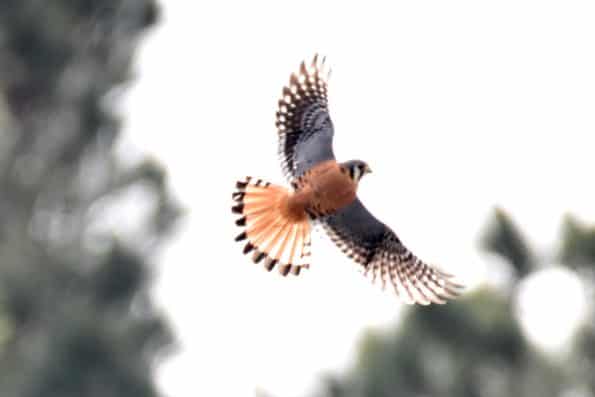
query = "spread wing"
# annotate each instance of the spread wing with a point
(303, 123)
(378, 249)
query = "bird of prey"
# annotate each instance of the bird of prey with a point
(276, 221)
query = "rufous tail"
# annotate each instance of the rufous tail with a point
(275, 236)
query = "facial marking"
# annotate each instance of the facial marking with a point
(356, 173)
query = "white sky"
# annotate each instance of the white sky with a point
(457, 106)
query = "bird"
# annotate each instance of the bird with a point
(276, 222)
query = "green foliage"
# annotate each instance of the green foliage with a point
(76, 318)
(578, 243)
(474, 346)
(502, 237)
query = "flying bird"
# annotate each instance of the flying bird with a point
(276, 221)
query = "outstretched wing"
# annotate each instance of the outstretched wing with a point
(303, 123)
(378, 249)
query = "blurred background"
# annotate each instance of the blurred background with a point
(124, 124)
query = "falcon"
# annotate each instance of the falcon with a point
(276, 221)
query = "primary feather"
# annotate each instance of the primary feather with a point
(303, 124)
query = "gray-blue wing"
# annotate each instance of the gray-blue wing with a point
(378, 249)
(303, 123)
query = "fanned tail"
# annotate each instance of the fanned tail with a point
(273, 236)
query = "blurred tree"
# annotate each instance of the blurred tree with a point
(77, 223)
(577, 250)
(578, 244)
(474, 346)
(502, 237)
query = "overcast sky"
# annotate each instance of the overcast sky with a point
(458, 106)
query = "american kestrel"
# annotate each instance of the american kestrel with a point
(276, 221)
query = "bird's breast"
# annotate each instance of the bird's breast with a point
(329, 188)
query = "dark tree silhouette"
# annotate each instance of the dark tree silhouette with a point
(503, 237)
(76, 318)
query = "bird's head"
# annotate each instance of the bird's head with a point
(356, 169)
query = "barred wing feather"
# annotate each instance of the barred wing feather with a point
(383, 257)
(303, 123)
